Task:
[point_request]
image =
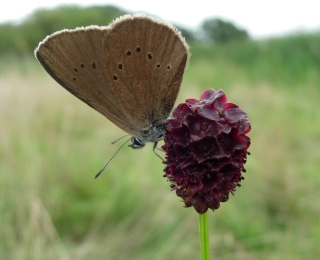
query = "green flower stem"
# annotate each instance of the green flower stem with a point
(204, 236)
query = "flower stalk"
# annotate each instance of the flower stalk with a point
(204, 236)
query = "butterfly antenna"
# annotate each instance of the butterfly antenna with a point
(98, 174)
(118, 139)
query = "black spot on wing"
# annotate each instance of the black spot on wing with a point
(51, 73)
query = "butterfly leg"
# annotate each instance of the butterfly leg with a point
(154, 150)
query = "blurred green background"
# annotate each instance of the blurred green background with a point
(52, 144)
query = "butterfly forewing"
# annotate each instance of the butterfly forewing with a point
(152, 57)
(129, 71)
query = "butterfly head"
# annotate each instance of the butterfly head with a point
(154, 133)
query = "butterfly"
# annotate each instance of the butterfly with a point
(129, 71)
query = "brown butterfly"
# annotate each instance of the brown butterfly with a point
(129, 71)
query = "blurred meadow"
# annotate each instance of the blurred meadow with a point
(52, 144)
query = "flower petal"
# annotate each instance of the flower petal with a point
(207, 94)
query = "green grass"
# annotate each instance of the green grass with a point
(51, 145)
(291, 61)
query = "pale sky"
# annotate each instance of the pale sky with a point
(261, 19)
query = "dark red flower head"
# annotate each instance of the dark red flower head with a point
(206, 148)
